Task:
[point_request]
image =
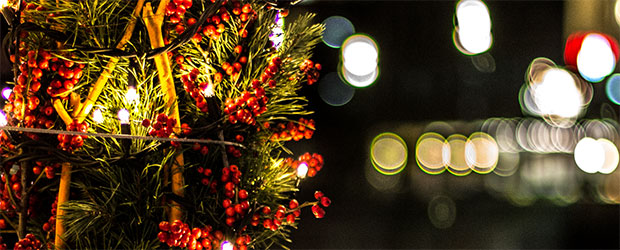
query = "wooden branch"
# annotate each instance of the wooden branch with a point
(63, 196)
(62, 112)
(153, 23)
(25, 197)
(83, 109)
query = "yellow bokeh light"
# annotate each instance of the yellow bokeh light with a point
(454, 155)
(388, 153)
(481, 152)
(429, 153)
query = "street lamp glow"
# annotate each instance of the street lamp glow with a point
(557, 94)
(589, 155)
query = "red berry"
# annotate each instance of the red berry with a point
(318, 195)
(325, 201)
(266, 210)
(243, 194)
(162, 236)
(293, 204)
(226, 203)
(146, 123)
(238, 49)
(164, 226)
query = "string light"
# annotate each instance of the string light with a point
(302, 170)
(97, 116)
(208, 90)
(132, 94)
(6, 92)
(123, 116)
(226, 245)
(2, 119)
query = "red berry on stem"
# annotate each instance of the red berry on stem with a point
(325, 201)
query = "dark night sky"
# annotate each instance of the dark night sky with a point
(423, 79)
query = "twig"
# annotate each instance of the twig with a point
(23, 214)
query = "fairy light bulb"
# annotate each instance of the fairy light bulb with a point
(132, 94)
(208, 90)
(302, 170)
(6, 92)
(123, 116)
(97, 116)
(226, 245)
(2, 119)
(4, 3)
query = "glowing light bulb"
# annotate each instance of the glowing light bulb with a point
(2, 119)
(208, 90)
(226, 245)
(302, 170)
(595, 60)
(589, 155)
(97, 116)
(123, 116)
(4, 3)
(132, 94)
(6, 92)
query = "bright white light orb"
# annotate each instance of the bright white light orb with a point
(2, 119)
(98, 116)
(474, 26)
(6, 92)
(132, 94)
(208, 90)
(123, 116)
(226, 245)
(557, 94)
(589, 155)
(360, 55)
(595, 60)
(302, 170)
(611, 156)
(359, 81)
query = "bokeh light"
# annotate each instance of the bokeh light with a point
(132, 94)
(481, 152)
(226, 245)
(442, 212)
(381, 182)
(97, 115)
(123, 116)
(357, 80)
(595, 60)
(454, 155)
(334, 91)
(484, 63)
(611, 156)
(472, 34)
(2, 119)
(360, 55)
(507, 164)
(388, 153)
(612, 89)
(589, 155)
(6, 92)
(337, 29)
(429, 153)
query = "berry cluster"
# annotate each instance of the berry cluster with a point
(235, 152)
(273, 221)
(303, 129)
(207, 172)
(246, 107)
(270, 71)
(50, 170)
(214, 25)
(28, 242)
(12, 182)
(5, 144)
(231, 176)
(235, 212)
(311, 70)
(176, 9)
(204, 149)
(179, 234)
(69, 74)
(195, 92)
(24, 103)
(162, 127)
(322, 200)
(314, 162)
(50, 225)
(73, 142)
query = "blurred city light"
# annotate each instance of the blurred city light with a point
(611, 156)
(612, 89)
(454, 155)
(337, 29)
(481, 152)
(388, 153)
(596, 60)
(589, 155)
(442, 212)
(359, 81)
(429, 153)
(334, 91)
(360, 55)
(472, 34)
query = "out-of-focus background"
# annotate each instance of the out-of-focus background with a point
(462, 138)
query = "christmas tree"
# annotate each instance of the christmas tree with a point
(150, 124)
